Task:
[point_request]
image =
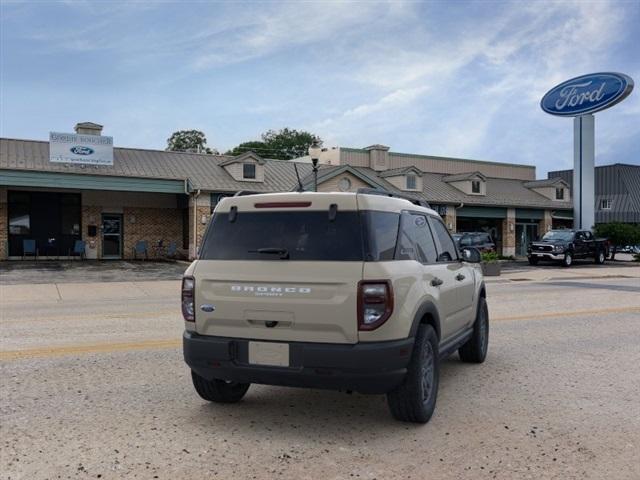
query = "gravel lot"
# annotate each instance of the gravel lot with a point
(95, 387)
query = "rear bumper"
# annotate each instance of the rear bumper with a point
(364, 367)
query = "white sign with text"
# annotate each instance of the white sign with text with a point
(80, 149)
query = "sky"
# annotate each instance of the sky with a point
(451, 78)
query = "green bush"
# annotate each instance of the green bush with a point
(489, 257)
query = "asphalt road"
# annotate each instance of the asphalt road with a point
(95, 387)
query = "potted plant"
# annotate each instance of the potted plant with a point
(490, 264)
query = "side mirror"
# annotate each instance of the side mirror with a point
(471, 255)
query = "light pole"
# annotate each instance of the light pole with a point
(314, 153)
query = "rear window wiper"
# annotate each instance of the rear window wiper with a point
(283, 252)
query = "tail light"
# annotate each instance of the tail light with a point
(375, 303)
(188, 304)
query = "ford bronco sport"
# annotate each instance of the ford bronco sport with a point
(349, 291)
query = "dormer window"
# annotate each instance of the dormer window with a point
(559, 193)
(475, 186)
(411, 182)
(249, 171)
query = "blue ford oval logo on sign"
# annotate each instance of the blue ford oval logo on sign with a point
(587, 94)
(79, 150)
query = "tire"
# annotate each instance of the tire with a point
(533, 261)
(567, 261)
(219, 391)
(415, 399)
(600, 257)
(475, 350)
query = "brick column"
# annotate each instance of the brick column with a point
(92, 215)
(509, 233)
(199, 209)
(546, 223)
(450, 218)
(4, 225)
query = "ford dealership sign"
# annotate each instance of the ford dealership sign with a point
(587, 94)
(80, 149)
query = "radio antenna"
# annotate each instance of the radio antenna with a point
(300, 187)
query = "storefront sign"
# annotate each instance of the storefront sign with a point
(587, 94)
(80, 149)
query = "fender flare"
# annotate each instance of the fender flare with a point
(430, 309)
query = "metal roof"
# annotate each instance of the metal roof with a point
(619, 183)
(464, 176)
(500, 191)
(203, 171)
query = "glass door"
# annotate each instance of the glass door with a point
(525, 233)
(111, 235)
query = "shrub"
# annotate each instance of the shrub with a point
(489, 257)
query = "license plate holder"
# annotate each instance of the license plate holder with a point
(271, 354)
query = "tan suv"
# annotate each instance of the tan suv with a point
(350, 291)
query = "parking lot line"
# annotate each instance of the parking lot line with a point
(174, 343)
(569, 314)
(80, 349)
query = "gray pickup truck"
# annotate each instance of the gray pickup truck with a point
(564, 246)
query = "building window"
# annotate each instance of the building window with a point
(559, 193)
(249, 170)
(605, 204)
(411, 182)
(344, 184)
(475, 186)
(19, 213)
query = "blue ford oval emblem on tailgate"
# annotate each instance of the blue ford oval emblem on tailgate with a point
(587, 94)
(207, 308)
(79, 150)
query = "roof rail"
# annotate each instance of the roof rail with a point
(385, 193)
(243, 193)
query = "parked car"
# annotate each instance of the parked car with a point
(349, 291)
(480, 240)
(564, 246)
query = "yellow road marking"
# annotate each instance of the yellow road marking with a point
(174, 343)
(80, 349)
(568, 314)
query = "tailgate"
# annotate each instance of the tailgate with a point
(307, 301)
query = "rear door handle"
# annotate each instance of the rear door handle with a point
(460, 277)
(436, 282)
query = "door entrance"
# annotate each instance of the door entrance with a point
(111, 236)
(525, 233)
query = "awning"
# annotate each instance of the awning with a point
(29, 178)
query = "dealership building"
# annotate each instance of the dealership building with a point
(79, 187)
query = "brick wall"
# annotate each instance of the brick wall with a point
(4, 225)
(152, 225)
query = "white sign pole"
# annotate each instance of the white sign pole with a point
(583, 172)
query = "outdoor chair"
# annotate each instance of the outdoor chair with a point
(172, 249)
(78, 249)
(29, 248)
(141, 249)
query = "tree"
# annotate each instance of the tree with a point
(255, 146)
(619, 234)
(188, 141)
(283, 144)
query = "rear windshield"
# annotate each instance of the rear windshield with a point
(309, 235)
